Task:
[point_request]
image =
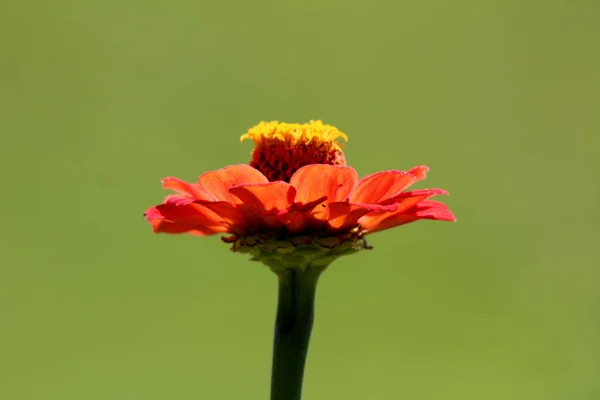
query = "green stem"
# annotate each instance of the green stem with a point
(293, 325)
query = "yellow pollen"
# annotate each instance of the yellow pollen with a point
(294, 134)
(282, 148)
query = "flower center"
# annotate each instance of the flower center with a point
(281, 148)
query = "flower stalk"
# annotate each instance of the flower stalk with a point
(293, 326)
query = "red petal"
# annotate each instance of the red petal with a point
(414, 193)
(381, 186)
(435, 210)
(410, 210)
(192, 190)
(229, 213)
(344, 215)
(178, 199)
(271, 197)
(420, 172)
(217, 183)
(261, 202)
(318, 180)
(173, 218)
(296, 217)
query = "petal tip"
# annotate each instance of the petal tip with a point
(420, 171)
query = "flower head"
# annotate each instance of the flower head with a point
(296, 199)
(281, 149)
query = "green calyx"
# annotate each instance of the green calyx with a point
(298, 252)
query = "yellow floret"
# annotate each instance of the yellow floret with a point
(314, 131)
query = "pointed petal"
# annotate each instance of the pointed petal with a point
(381, 186)
(420, 172)
(261, 202)
(423, 192)
(344, 215)
(409, 211)
(414, 193)
(317, 180)
(435, 210)
(173, 218)
(217, 183)
(373, 220)
(192, 190)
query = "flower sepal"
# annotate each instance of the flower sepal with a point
(298, 252)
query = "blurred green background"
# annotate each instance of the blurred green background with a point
(99, 100)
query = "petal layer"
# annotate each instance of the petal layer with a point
(381, 186)
(315, 181)
(410, 210)
(217, 183)
(344, 215)
(191, 190)
(335, 183)
(296, 217)
(260, 203)
(174, 218)
(414, 193)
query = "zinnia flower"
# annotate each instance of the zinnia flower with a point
(296, 193)
(296, 207)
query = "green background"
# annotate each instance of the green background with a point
(99, 100)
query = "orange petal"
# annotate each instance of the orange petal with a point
(217, 183)
(375, 218)
(409, 212)
(381, 186)
(420, 172)
(261, 202)
(229, 214)
(435, 210)
(414, 193)
(192, 190)
(189, 226)
(344, 215)
(317, 180)
(297, 216)
(271, 197)
(174, 218)
(178, 199)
